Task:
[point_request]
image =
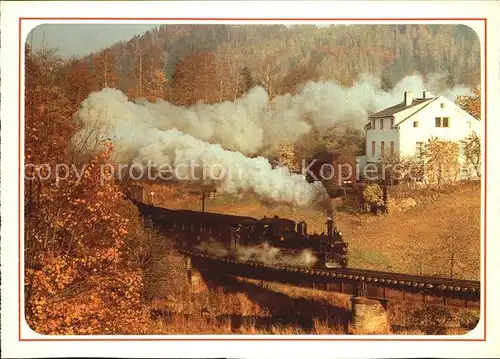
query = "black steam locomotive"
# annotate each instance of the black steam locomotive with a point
(233, 232)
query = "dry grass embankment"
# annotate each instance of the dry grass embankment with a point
(439, 237)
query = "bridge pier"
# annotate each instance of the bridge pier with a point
(369, 316)
(194, 278)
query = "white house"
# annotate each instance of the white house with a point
(404, 128)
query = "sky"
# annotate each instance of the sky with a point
(82, 39)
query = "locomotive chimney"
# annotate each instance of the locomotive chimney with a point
(329, 226)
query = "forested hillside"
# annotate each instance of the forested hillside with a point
(188, 63)
(91, 264)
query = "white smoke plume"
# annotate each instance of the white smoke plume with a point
(253, 123)
(220, 135)
(263, 253)
(138, 141)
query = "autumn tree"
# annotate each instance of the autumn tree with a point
(407, 170)
(287, 157)
(105, 66)
(149, 72)
(80, 277)
(441, 160)
(472, 153)
(297, 76)
(155, 79)
(228, 82)
(81, 81)
(373, 197)
(269, 73)
(392, 165)
(194, 79)
(47, 110)
(245, 82)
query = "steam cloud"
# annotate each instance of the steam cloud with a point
(107, 114)
(263, 253)
(224, 134)
(252, 123)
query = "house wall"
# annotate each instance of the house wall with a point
(458, 125)
(405, 136)
(387, 135)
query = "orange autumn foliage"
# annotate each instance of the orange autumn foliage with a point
(471, 104)
(81, 271)
(78, 278)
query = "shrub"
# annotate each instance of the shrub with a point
(373, 197)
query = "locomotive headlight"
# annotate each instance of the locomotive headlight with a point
(340, 233)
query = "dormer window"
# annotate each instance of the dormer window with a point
(442, 104)
(415, 123)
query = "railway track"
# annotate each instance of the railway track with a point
(362, 282)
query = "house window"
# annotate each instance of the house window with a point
(419, 148)
(442, 104)
(373, 124)
(392, 122)
(415, 123)
(381, 123)
(442, 122)
(392, 148)
(382, 148)
(373, 148)
(469, 126)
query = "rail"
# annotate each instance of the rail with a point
(374, 284)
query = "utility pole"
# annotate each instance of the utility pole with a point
(203, 201)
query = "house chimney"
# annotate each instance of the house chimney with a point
(408, 98)
(426, 95)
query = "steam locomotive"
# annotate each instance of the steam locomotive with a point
(233, 232)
